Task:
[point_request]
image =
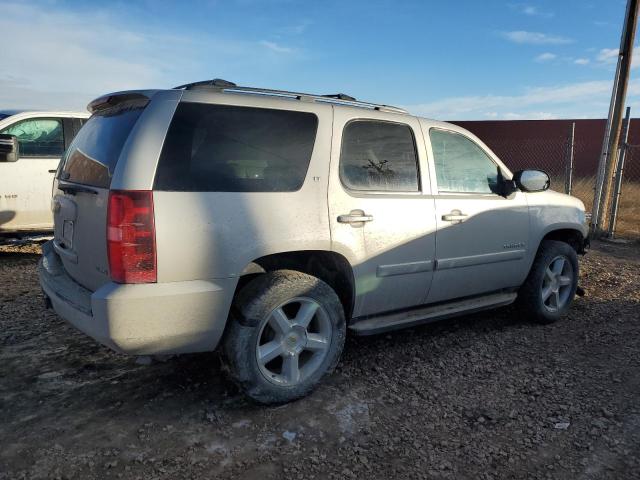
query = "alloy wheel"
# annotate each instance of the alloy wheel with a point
(293, 341)
(557, 283)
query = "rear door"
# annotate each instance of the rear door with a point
(380, 211)
(25, 185)
(82, 190)
(481, 239)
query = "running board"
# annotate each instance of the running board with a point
(411, 318)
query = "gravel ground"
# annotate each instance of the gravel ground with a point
(481, 397)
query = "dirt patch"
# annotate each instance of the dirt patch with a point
(484, 396)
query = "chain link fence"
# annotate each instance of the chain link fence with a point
(569, 151)
(628, 215)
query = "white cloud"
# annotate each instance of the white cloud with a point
(530, 10)
(585, 99)
(529, 116)
(276, 48)
(545, 57)
(581, 61)
(59, 48)
(535, 38)
(62, 59)
(607, 56)
(296, 29)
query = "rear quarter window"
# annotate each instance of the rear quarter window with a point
(220, 148)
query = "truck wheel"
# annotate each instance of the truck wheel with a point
(286, 332)
(551, 285)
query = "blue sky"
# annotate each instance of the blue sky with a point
(447, 60)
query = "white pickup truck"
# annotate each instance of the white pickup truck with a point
(31, 145)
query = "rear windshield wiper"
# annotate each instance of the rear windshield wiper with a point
(73, 188)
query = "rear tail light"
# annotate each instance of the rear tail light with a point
(131, 237)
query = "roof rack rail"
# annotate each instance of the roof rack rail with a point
(216, 83)
(221, 85)
(341, 96)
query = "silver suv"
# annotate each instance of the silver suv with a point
(270, 223)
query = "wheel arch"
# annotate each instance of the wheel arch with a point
(330, 267)
(571, 236)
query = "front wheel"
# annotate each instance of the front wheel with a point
(287, 332)
(551, 285)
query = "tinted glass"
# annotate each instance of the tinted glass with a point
(461, 165)
(379, 156)
(76, 125)
(38, 137)
(92, 156)
(218, 148)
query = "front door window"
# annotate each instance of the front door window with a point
(461, 165)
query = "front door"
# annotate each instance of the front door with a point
(481, 235)
(25, 185)
(381, 217)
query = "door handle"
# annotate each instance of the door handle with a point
(355, 216)
(456, 216)
(53, 171)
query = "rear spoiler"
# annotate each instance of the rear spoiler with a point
(140, 97)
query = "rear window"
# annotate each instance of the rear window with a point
(92, 156)
(219, 148)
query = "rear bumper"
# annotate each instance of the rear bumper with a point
(140, 319)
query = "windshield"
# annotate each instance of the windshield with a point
(92, 156)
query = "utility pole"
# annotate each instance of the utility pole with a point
(609, 155)
(615, 202)
(568, 176)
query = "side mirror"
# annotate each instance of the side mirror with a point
(504, 187)
(532, 180)
(9, 148)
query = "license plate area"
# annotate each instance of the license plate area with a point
(64, 215)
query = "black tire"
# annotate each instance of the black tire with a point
(530, 295)
(250, 320)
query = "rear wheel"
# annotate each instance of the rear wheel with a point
(287, 332)
(551, 285)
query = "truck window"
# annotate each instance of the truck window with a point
(38, 137)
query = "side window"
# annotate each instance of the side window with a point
(77, 125)
(218, 148)
(461, 165)
(38, 137)
(379, 156)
